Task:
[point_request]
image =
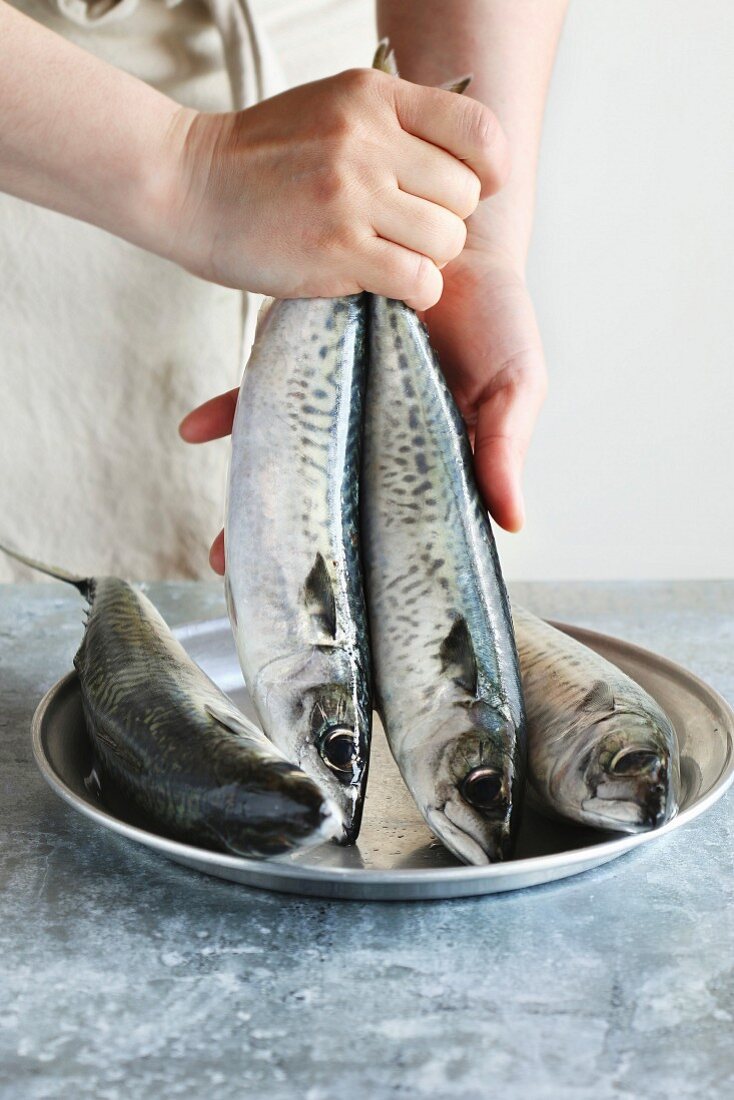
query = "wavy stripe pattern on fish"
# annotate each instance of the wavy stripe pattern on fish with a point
(294, 578)
(446, 675)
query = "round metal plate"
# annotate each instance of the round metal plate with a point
(396, 857)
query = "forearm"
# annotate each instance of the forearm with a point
(80, 136)
(509, 47)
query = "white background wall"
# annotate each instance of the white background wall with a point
(632, 270)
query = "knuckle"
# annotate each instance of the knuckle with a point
(359, 81)
(330, 184)
(483, 126)
(337, 128)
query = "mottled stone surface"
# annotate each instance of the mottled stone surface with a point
(125, 976)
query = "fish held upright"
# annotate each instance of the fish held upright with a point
(293, 573)
(446, 676)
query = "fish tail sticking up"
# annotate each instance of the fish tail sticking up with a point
(83, 584)
(384, 58)
(384, 61)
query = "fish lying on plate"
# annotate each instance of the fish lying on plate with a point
(293, 574)
(600, 749)
(445, 667)
(174, 744)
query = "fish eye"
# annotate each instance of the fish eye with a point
(339, 748)
(634, 761)
(482, 787)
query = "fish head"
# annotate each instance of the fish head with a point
(468, 784)
(334, 748)
(624, 773)
(281, 810)
(322, 724)
(315, 702)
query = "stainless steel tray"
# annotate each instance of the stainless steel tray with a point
(396, 857)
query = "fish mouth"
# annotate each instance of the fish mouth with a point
(630, 783)
(452, 823)
(637, 810)
(282, 842)
(350, 823)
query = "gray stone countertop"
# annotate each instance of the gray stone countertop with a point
(124, 976)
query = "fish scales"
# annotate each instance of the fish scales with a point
(601, 751)
(294, 579)
(446, 676)
(173, 744)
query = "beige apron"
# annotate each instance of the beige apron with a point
(103, 347)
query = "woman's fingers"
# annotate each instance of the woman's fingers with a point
(212, 420)
(397, 272)
(216, 554)
(421, 226)
(433, 174)
(506, 417)
(460, 125)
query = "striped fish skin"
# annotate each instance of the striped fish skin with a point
(293, 575)
(445, 667)
(176, 746)
(601, 751)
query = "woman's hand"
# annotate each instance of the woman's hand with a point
(488, 343)
(357, 182)
(485, 333)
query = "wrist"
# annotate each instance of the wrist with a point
(159, 185)
(498, 240)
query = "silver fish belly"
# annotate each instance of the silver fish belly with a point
(293, 575)
(601, 751)
(445, 667)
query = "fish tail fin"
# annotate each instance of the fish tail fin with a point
(384, 58)
(83, 584)
(459, 85)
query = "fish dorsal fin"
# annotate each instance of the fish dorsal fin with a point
(599, 697)
(458, 658)
(318, 592)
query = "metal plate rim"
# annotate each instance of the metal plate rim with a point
(466, 879)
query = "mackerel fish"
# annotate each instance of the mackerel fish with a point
(600, 750)
(446, 676)
(293, 574)
(173, 744)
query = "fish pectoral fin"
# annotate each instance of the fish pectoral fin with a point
(318, 594)
(458, 658)
(599, 697)
(233, 721)
(125, 755)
